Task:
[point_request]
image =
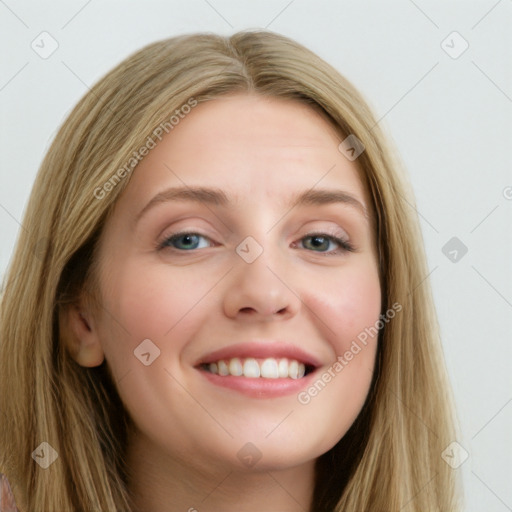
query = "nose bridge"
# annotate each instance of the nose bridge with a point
(257, 260)
(259, 282)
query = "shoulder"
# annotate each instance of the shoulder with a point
(7, 503)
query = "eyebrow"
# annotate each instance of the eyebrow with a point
(217, 197)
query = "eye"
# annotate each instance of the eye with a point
(184, 241)
(320, 242)
(317, 242)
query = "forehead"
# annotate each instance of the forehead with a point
(255, 148)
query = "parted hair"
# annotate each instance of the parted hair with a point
(389, 460)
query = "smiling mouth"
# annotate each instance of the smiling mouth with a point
(253, 368)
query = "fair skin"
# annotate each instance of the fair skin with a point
(199, 295)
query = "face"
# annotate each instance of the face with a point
(225, 272)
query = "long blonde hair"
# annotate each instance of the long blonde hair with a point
(389, 460)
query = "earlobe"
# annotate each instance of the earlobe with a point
(81, 337)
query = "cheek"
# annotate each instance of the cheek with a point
(163, 306)
(150, 302)
(348, 305)
(155, 303)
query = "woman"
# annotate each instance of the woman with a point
(219, 298)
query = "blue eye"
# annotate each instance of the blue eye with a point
(183, 241)
(322, 241)
(317, 242)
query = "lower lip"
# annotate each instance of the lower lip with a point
(260, 387)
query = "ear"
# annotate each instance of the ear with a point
(80, 336)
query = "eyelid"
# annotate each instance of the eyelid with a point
(341, 239)
(335, 232)
(160, 244)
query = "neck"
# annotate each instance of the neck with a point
(161, 483)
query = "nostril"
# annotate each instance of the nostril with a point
(269, 311)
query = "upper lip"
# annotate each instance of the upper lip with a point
(260, 350)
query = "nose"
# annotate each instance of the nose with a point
(261, 291)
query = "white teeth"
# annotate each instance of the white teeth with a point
(283, 368)
(251, 368)
(269, 368)
(223, 368)
(235, 367)
(293, 369)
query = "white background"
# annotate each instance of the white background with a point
(451, 119)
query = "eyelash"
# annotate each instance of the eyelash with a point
(344, 245)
